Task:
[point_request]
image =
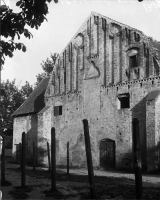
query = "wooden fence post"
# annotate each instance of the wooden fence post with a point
(0, 195)
(34, 157)
(137, 158)
(49, 159)
(23, 172)
(68, 158)
(89, 159)
(53, 158)
(3, 162)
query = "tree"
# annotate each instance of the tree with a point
(47, 67)
(11, 99)
(26, 90)
(32, 14)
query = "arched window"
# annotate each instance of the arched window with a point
(133, 58)
(156, 66)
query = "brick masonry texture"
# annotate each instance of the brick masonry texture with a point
(89, 79)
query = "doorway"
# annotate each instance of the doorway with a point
(107, 154)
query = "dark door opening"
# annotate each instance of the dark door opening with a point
(107, 154)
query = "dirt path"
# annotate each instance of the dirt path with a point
(109, 185)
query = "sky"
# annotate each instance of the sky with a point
(64, 20)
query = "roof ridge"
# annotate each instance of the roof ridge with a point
(33, 94)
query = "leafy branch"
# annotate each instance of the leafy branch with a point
(33, 13)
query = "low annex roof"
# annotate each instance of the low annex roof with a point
(35, 102)
(44, 109)
(153, 95)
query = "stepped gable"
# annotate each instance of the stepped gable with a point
(150, 41)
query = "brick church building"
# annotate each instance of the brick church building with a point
(108, 74)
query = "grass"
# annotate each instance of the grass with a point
(77, 186)
(21, 192)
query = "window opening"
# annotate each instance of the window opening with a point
(147, 66)
(133, 58)
(64, 77)
(57, 110)
(123, 101)
(133, 61)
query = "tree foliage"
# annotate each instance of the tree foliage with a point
(32, 14)
(12, 98)
(26, 90)
(47, 67)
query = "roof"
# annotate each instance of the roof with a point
(44, 109)
(153, 95)
(35, 102)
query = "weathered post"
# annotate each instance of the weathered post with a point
(23, 172)
(3, 162)
(34, 157)
(0, 195)
(53, 158)
(20, 155)
(68, 158)
(89, 159)
(137, 159)
(49, 159)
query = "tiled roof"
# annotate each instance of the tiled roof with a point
(35, 102)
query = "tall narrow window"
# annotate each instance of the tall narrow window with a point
(136, 37)
(147, 66)
(156, 67)
(111, 58)
(64, 77)
(64, 65)
(58, 73)
(146, 57)
(70, 60)
(128, 35)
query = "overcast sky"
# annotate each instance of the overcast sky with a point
(64, 20)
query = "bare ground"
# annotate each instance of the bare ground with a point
(108, 185)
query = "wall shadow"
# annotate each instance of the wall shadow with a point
(139, 112)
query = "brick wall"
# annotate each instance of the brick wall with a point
(150, 132)
(97, 71)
